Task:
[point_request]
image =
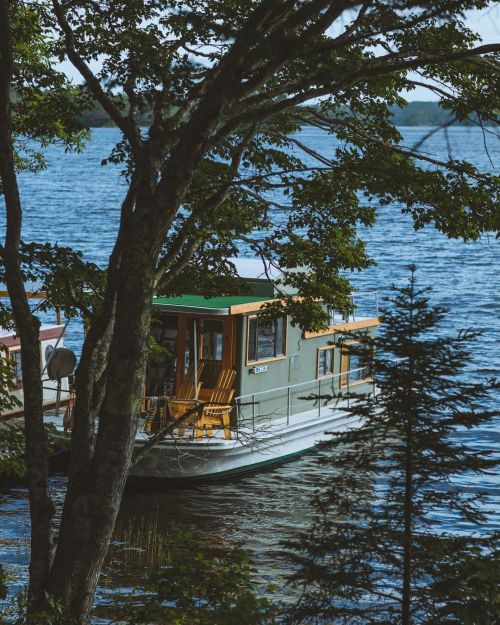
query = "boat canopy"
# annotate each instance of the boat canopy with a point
(221, 305)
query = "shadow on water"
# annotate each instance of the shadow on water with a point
(160, 485)
(256, 510)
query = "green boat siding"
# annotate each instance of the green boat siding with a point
(298, 366)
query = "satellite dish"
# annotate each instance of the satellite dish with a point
(61, 363)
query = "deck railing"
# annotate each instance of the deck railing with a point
(357, 309)
(251, 411)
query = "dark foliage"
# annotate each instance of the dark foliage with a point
(3, 587)
(194, 586)
(219, 167)
(376, 552)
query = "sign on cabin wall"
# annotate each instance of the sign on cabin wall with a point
(259, 369)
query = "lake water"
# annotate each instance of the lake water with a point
(75, 202)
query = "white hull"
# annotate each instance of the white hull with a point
(210, 458)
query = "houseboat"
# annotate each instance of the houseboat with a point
(237, 392)
(56, 393)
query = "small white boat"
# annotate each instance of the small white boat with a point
(251, 387)
(56, 393)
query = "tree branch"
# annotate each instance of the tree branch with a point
(126, 125)
(206, 210)
(367, 72)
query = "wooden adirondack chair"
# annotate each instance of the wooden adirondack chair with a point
(154, 409)
(217, 411)
(184, 397)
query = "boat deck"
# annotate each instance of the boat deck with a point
(264, 430)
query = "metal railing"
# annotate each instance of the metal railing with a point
(351, 314)
(317, 387)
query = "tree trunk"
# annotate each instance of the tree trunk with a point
(92, 501)
(27, 327)
(115, 353)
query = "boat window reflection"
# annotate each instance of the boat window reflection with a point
(266, 339)
(356, 363)
(212, 350)
(325, 361)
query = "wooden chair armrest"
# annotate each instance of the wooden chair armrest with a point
(217, 408)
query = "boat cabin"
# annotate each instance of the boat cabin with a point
(51, 336)
(278, 369)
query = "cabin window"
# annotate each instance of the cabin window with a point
(356, 364)
(266, 339)
(325, 361)
(213, 336)
(16, 366)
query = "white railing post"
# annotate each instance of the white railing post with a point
(288, 406)
(253, 413)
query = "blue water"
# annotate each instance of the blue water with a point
(76, 202)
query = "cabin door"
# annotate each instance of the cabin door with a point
(162, 362)
(214, 348)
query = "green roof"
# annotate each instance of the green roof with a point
(217, 305)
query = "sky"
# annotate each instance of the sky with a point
(485, 22)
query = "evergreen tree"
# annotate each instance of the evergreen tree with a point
(375, 552)
(466, 583)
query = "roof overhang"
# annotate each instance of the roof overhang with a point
(192, 310)
(359, 324)
(216, 306)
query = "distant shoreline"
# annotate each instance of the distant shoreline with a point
(415, 114)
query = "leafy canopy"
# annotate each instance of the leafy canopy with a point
(228, 86)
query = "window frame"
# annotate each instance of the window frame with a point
(251, 363)
(18, 381)
(322, 349)
(345, 357)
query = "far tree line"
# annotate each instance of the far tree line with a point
(418, 113)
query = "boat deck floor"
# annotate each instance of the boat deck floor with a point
(264, 429)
